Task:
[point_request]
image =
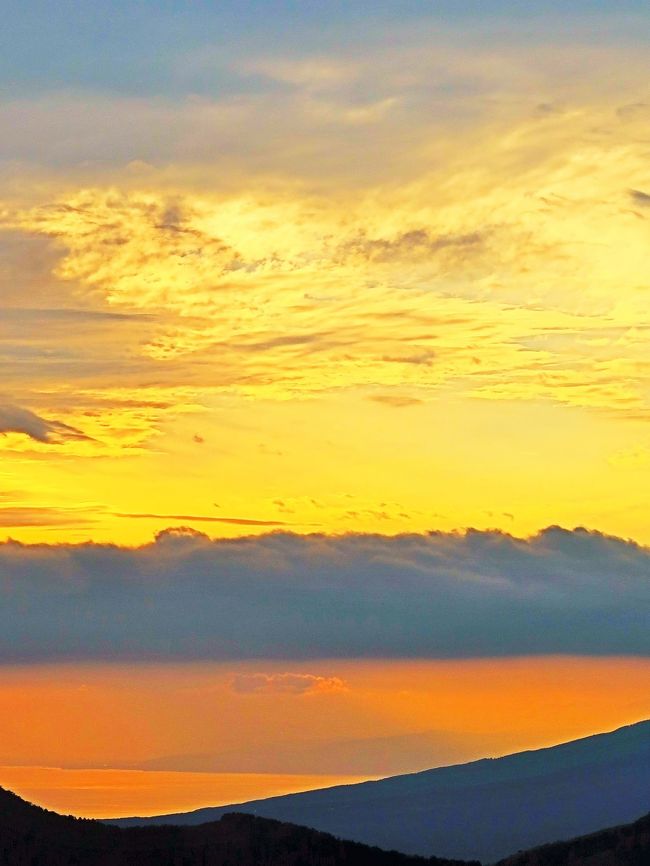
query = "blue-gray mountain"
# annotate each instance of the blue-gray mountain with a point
(483, 810)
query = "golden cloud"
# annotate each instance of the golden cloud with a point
(497, 252)
(287, 684)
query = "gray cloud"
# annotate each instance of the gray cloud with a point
(410, 243)
(285, 596)
(640, 198)
(15, 419)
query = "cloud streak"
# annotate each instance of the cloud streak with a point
(285, 596)
(238, 521)
(21, 516)
(15, 419)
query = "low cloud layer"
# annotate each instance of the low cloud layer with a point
(284, 596)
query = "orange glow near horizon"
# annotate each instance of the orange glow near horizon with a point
(361, 718)
(124, 793)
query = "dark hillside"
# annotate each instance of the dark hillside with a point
(618, 846)
(31, 836)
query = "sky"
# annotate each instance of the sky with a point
(323, 356)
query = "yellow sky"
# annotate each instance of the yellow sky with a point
(457, 337)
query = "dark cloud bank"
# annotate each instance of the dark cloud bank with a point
(286, 596)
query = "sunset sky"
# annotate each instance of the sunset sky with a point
(324, 388)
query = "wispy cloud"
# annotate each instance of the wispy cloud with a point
(200, 518)
(14, 517)
(491, 245)
(16, 419)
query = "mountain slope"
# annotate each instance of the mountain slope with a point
(483, 810)
(617, 846)
(30, 836)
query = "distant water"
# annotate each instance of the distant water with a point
(109, 793)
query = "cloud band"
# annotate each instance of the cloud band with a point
(186, 597)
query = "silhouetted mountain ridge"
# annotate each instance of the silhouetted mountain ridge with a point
(32, 836)
(510, 803)
(628, 845)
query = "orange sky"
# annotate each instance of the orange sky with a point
(122, 793)
(333, 718)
